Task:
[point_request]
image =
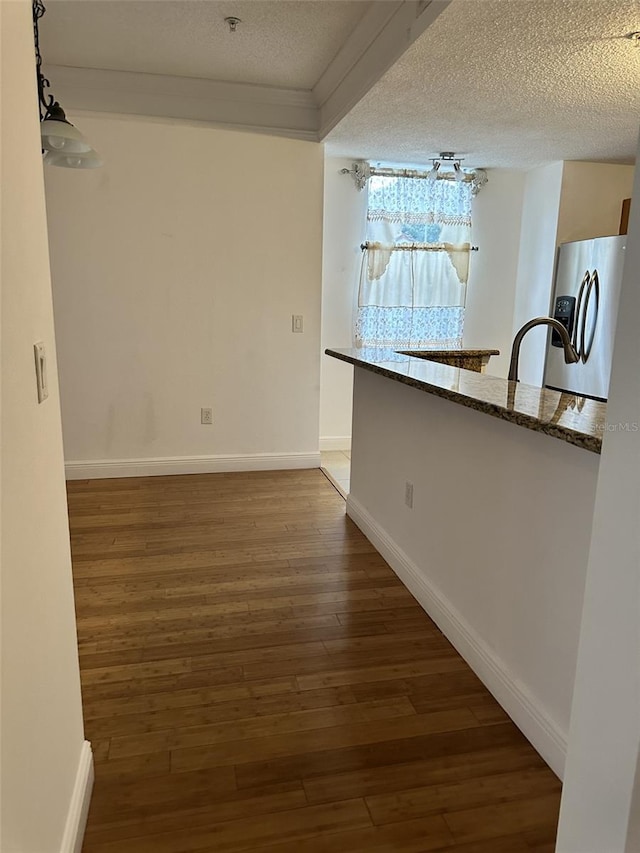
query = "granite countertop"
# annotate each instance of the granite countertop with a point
(568, 417)
(461, 353)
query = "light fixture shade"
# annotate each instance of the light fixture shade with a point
(433, 172)
(62, 143)
(73, 160)
(61, 136)
(459, 174)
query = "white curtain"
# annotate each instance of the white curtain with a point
(414, 271)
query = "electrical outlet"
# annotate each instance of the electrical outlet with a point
(408, 494)
(206, 416)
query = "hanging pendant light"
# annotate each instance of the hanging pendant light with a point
(62, 143)
(58, 134)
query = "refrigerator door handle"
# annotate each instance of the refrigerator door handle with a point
(579, 317)
(592, 288)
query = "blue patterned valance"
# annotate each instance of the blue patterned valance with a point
(419, 201)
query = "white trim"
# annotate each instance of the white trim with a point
(268, 109)
(335, 442)
(79, 805)
(103, 468)
(385, 32)
(354, 48)
(526, 713)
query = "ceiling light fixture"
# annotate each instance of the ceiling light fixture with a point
(448, 158)
(62, 143)
(433, 171)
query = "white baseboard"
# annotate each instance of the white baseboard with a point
(335, 442)
(520, 705)
(104, 468)
(79, 806)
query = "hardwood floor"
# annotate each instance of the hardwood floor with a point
(255, 677)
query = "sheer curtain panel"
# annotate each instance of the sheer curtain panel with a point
(416, 263)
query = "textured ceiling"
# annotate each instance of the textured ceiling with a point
(507, 83)
(286, 44)
(513, 83)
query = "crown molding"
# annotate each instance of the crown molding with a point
(382, 36)
(368, 29)
(386, 30)
(283, 112)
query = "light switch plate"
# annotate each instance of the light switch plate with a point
(41, 371)
(297, 323)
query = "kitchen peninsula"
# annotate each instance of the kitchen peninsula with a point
(479, 492)
(569, 417)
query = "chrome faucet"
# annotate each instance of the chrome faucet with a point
(570, 354)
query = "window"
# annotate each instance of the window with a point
(415, 264)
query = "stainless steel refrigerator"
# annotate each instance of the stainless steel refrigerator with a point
(585, 301)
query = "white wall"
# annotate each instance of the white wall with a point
(495, 547)
(536, 264)
(42, 733)
(497, 214)
(345, 212)
(562, 202)
(601, 799)
(176, 269)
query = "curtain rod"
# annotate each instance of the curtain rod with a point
(417, 247)
(362, 171)
(388, 172)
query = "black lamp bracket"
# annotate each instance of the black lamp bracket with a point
(49, 107)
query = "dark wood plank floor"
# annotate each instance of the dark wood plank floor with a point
(255, 677)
